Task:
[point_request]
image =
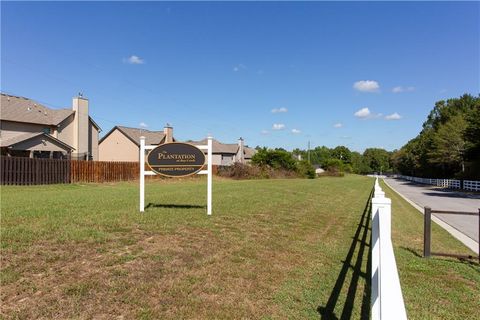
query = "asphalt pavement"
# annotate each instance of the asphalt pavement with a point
(443, 199)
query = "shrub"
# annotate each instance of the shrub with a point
(276, 159)
(305, 169)
(251, 171)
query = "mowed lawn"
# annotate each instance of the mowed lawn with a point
(272, 249)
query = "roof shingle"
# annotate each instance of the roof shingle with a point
(20, 109)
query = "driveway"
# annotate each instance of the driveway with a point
(442, 199)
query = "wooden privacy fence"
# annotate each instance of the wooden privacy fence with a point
(103, 171)
(26, 171)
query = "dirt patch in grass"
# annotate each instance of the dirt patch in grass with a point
(155, 275)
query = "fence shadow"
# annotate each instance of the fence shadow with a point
(449, 193)
(175, 206)
(362, 234)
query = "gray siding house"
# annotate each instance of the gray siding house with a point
(226, 154)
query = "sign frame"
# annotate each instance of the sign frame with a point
(144, 173)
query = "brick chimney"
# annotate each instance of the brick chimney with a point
(80, 127)
(241, 153)
(168, 131)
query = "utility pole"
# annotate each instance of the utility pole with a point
(308, 153)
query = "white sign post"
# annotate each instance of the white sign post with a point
(144, 173)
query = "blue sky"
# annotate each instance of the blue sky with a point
(276, 73)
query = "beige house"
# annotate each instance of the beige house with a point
(224, 154)
(123, 143)
(30, 129)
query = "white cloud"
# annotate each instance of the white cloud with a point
(338, 125)
(143, 125)
(296, 131)
(401, 89)
(264, 132)
(366, 86)
(134, 60)
(279, 110)
(363, 113)
(278, 126)
(239, 67)
(393, 116)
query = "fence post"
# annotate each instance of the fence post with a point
(427, 231)
(142, 174)
(378, 203)
(209, 175)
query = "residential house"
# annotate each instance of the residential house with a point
(30, 129)
(224, 154)
(123, 143)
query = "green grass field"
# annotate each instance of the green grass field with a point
(273, 249)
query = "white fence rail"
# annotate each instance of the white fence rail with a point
(469, 185)
(386, 298)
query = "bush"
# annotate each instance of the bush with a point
(251, 171)
(305, 169)
(334, 165)
(276, 159)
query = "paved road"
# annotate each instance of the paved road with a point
(441, 199)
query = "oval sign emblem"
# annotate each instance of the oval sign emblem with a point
(176, 159)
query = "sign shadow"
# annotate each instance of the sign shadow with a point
(174, 206)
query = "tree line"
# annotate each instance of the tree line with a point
(335, 160)
(448, 146)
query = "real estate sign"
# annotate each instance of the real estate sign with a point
(176, 159)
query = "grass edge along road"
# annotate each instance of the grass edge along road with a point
(272, 249)
(435, 288)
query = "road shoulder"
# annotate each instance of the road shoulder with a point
(467, 241)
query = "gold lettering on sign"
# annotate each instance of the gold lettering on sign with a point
(164, 156)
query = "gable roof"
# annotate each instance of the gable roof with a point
(27, 136)
(21, 109)
(134, 134)
(225, 148)
(217, 146)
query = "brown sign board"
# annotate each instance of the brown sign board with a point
(176, 159)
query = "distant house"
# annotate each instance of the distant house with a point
(123, 143)
(227, 154)
(30, 129)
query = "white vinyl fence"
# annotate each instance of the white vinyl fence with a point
(387, 300)
(469, 185)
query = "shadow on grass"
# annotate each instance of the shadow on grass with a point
(471, 262)
(359, 240)
(175, 206)
(412, 251)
